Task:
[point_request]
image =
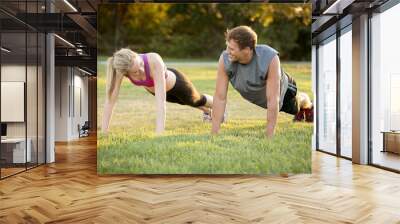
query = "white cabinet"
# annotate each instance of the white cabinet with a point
(18, 145)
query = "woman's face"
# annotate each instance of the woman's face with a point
(136, 68)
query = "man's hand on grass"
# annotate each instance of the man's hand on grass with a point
(269, 133)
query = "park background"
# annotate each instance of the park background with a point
(190, 38)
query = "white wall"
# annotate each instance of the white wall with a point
(80, 96)
(71, 93)
(12, 101)
(82, 83)
(13, 73)
(62, 81)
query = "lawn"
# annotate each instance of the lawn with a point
(187, 146)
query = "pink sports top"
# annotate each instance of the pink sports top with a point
(148, 82)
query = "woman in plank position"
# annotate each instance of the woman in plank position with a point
(166, 84)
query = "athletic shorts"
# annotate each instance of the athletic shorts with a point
(290, 104)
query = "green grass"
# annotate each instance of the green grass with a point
(187, 147)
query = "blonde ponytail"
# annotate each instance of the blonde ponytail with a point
(111, 73)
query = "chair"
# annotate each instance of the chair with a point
(84, 130)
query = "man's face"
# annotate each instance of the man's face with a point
(234, 52)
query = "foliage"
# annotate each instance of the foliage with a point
(197, 30)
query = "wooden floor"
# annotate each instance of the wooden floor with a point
(10, 171)
(387, 159)
(69, 191)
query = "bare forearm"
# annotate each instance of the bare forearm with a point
(108, 107)
(161, 109)
(273, 93)
(272, 117)
(220, 96)
(217, 114)
(160, 120)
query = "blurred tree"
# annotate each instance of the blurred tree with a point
(197, 30)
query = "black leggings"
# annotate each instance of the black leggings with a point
(184, 92)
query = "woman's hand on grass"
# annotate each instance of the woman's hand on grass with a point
(159, 131)
(103, 134)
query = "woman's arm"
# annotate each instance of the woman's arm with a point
(109, 105)
(158, 67)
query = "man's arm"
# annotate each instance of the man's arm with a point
(219, 100)
(273, 94)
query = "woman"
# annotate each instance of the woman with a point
(148, 70)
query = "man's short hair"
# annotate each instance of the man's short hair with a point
(244, 36)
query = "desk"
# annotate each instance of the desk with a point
(391, 141)
(18, 151)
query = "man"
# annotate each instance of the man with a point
(255, 72)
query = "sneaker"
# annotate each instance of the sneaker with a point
(207, 117)
(225, 118)
(299, 116)
(309, 114)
